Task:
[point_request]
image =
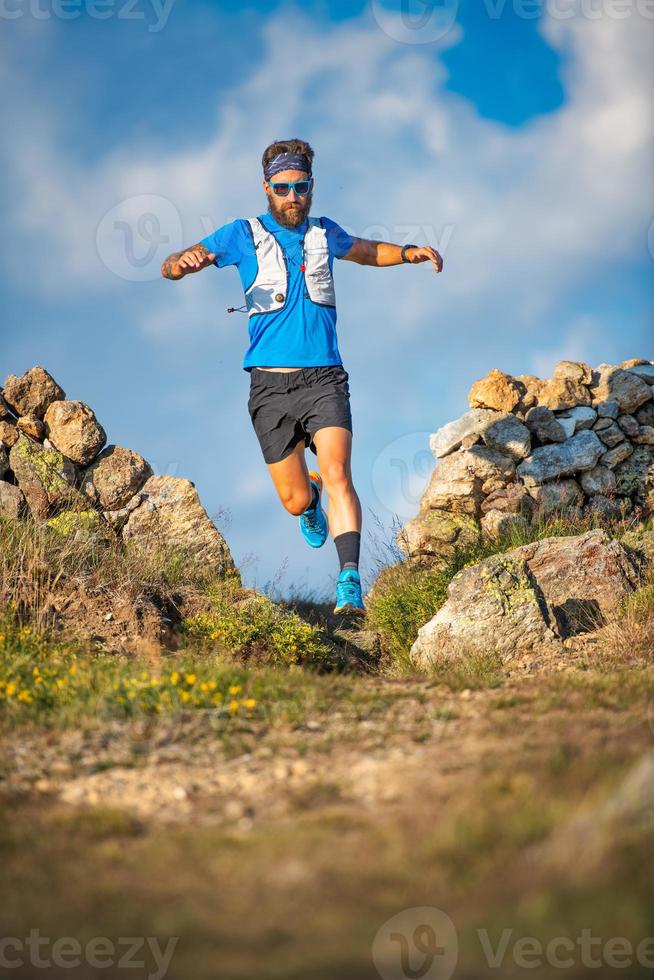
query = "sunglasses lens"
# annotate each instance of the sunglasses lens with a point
(302, 186)
(280, 188)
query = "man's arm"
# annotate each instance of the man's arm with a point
(192, 259)
(365, 251)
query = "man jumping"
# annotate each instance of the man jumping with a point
(285, 259)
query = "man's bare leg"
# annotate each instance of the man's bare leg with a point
(291, 479)
(334, 445)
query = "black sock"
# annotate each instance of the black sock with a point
(347, 546)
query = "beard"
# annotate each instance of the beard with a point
(289, 215)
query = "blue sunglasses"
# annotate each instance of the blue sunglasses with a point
(282, 187)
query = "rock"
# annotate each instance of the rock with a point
(436, 532)
(568, 425)
(4, 461)
(498, 523)
(45, 476)
(580, 452)
(507, 435)
(608, 509)
(74, 430)
(601, 424)
(635, 478)
(645, 414)
(614, 456)
(556, 496)
(115, 476)
(610, 434)
(530, 387)
(633, 362)
(32, 427)
(12, 501)
(576, 371)
(170, 514)
(542, 422)
(449, 437)
(8, 434)
(582, 415)
(493, 605)
(563, 393)
(598, 480)
(495, 390)
(527, 599)
(4, 409)
(461, 480)
(612, 383)
(645, 435)
(32, 393)
(512, 499)
(629, 425)
(644, 371)
(608, 410)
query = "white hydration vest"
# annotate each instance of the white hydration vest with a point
(269, 290)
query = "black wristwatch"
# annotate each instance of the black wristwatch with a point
(404, 248)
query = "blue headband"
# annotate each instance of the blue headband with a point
(287, 161)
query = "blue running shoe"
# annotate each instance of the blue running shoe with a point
(348, 593)
(313, 523)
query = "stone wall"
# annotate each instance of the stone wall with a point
(579, 442)
(55, 466)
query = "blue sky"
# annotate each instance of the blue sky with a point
(513, 137)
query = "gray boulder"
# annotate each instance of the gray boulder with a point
(598, 480)
(450, 437)
(616, 455)
(508, 435)
(544, 425)
(529, 599)
(169, 514)
(608, 409)
(582, 415)
(610, 434)
(461, 480)
(611, 383)
(580, 452)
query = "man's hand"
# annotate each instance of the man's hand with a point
(367, 251)
(192, 259)
(425, 253)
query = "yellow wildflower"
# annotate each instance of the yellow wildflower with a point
(235, 689)
(190, 679)
(174, 677)
(233, 707)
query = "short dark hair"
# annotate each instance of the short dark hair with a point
(286, 146)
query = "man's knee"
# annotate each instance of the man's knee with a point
(296, 501)
(337, 478)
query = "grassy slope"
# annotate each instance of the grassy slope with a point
(276, 828)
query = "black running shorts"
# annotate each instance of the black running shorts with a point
(287, 406)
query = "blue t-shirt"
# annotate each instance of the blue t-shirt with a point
(302, 333)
